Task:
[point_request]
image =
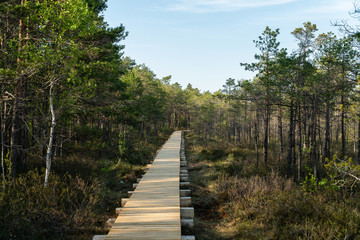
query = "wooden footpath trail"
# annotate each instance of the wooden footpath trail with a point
(153, 210)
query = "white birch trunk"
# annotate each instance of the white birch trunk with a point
(48, 153)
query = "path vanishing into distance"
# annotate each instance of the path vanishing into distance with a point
(153, 210)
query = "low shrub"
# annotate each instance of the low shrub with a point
(235, 199)
(68, 206)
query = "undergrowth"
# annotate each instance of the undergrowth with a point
(235, 199)
(82, 195)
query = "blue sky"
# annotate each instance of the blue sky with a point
(203, 42)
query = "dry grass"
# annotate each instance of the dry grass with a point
(234, 199)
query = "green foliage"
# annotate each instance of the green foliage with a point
(7, 162)
(122, 143)
(305, 35)
(344, 174)
(268, 46)
(328, 184)
(310, 182)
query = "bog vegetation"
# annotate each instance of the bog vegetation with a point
(274, 157)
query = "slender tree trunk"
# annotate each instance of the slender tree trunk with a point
(280, 129)
(300, 144)
(327, 133)
(246, 127)
(291, 138)
(358, 141)
(256, 138)
(52, 129)
(266, 134)
(307, 126)
(343, 134)
(2, 131)
(249, 125)
(313, 150)
(354, 138)
(319, 149)
(337, 129)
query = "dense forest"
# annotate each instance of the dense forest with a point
(79, 121)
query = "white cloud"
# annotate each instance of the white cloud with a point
(203, 6)
(329, 7)
(329, 10)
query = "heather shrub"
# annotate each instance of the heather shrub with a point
(68, 206)
(235, 199)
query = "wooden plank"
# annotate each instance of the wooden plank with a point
(185, 192)
(99, 237)
(153, 210)
(187, 222)
(187, 238)
(187, 212)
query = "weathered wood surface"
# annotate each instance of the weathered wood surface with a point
(153, 210)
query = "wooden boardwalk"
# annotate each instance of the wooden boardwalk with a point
(153, 210)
